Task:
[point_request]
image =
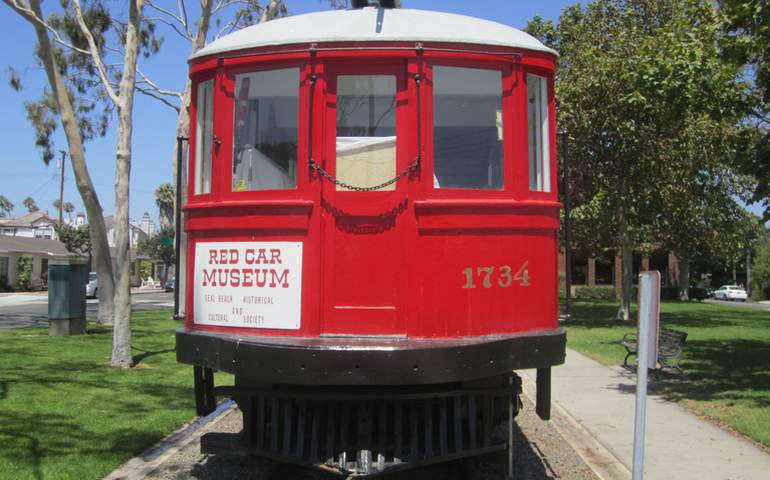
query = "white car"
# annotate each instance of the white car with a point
(730, 292)
(92, 287)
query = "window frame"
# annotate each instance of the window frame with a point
(542, 170)
(192, 144)
(302, 115)
(507, 74)
(524, 187)
(226, 124)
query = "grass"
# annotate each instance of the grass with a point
(726, 358)
(65, 413)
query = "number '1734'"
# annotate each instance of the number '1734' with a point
(502, 276)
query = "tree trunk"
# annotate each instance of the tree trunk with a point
(626, 268)
(684, 279)
(96, 228)
(121, 341)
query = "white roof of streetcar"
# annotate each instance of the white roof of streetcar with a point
(372, 24)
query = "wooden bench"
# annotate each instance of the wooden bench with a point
(670, 348)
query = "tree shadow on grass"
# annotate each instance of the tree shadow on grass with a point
(733, 370)
(147, 354)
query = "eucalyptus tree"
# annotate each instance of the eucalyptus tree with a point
(632, 75)
(104, 46)
(128, 42)
(67, 101)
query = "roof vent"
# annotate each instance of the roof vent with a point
(381, 3)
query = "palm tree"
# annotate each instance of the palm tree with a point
(68, 209)
(6, 207)
(164, 198)
(30, 204)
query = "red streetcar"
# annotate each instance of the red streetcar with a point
(372, 219)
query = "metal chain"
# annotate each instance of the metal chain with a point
(322, 171)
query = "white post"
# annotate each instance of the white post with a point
(649, 311)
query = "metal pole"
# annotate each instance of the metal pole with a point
(511, 406)
(567, 228)
(748, 273)
(61, 189)
(649, 314)
(178, 222)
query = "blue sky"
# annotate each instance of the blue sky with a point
(23, 172)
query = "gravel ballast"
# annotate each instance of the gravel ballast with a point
(539, 449)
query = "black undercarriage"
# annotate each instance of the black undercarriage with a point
(455, 397)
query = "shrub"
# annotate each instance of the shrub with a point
(669, 293)
(25, 272)
(595, 293)
(697, 293)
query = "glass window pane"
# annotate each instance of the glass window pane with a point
(204, 137)
(467, 128)
(366, 129)
(265, 144)
(539, 157)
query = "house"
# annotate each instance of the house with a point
(40, 250)
(35, 224)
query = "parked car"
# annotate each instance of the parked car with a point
(730, 292)
(92, 287)
(169, 286)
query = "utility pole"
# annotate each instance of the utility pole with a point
(61, 189)
(567, 227)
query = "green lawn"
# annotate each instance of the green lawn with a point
(727, 358)
(64, 413)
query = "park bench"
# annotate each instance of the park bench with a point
(670, 348)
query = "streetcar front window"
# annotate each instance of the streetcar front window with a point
(266, 119)
(467, 128)
(366, 129)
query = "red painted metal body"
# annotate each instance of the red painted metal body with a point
(416, 262)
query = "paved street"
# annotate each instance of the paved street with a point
(753, 305)
(31, 310)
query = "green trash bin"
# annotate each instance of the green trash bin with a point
(67, 297)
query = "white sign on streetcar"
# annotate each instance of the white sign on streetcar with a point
(248, 284)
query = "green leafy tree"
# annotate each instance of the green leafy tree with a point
(6, 207)
(761, 264)
(748, 24)
(24, 272)
(77, 240)
(632, 74)
(160, 248)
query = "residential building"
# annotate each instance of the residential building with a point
(32, 225)
(40, 250)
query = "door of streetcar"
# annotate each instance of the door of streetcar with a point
(363, 228)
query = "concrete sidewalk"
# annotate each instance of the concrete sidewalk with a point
(679, 445)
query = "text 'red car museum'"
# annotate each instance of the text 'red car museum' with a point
(372, 226)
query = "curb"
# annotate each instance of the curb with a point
(598, 458)
(151, 459)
